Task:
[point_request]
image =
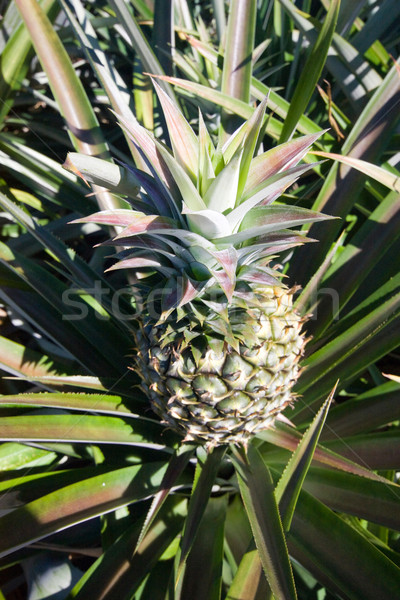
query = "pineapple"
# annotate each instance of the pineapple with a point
(218, 340)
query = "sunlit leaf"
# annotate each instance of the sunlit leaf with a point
(76, 503)
(290, 484)
(257, 490)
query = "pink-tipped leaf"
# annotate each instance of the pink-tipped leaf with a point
(183, 139)
(282, 157)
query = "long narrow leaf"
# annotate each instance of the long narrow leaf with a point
(206, 555)
(176, 466)
(83, 126)
(289, 438)
(249, 582)
(325, 543)
(76, 503)
(21, 361)
(139, 42)
(237, 69)
(257, 490)
(375, 408)
(15, 58)
(114, 85)
(390, 180)
(82, 428)
(342, 185)
(246, 582)
(365, 250)
(346, 493)
(311, 72)
(198, 502)
(289, 485)
(115, 573)
(378, 451)
(97, 403)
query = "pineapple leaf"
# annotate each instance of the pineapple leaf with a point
(366, 249)
(42, 298)
(378, 405)
(249, 582)
(289, 438)
(339, 552)
(273, 187)
(16, 56)
(282, 157)
(208, 551)
(222, 192)
(117, 91)
(157, 194)
(250, 566)
(233, 104)
(282, 239)
(341, 187)
(125, 180)
(257, 490)
(198, 502)
(253, 127)
(226, 282)
(78, 502)
(80, 271)
(139, 42)
(83, 429)
(259, 90)
(268, 219)
(109, 572)
(291, 481)
(206, 153)
(207, 223)
(161, 256)
(146, 146)
(312, 69)
(178, 293)
(348, 493)
(355, 341)
(21, 361)
(237, 66)
(66, 87)
(183, 139)
(97, 403)
(121, 217)
(145, 223)
(140, 262)
(286, 216)
(310, 290)
(74, 381)
(258, 275)
(265, 194)
(228, 260)
(379, 450)
(390, 180)
(175, 468)
(190, 195)
(101, 172)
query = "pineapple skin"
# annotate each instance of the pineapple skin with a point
(224, 394)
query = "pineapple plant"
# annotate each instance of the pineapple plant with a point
(219, 341)
(100, 497)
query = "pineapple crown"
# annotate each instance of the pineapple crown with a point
(201, 217)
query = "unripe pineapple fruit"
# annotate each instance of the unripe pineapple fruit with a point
(218, 340)
(224, 394)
